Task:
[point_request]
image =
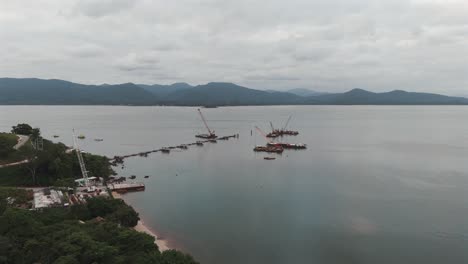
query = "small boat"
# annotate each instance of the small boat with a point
(56, 136)
(81, 137)
(133, 177)
(269, 158)
(183, 147)
(199, 143)
(98, 139)
(146, 177)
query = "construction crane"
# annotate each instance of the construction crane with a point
(211, 134)
(271, 146)
(84, 172)
(272, 127)
(274, 132)
(263, 134)
(287, 122)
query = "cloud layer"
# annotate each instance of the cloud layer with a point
(335, 45)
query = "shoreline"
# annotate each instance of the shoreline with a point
(141, 227)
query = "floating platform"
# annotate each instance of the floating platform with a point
(280, 133)
(126, 187)
(288, 145)
(206, 136)
(270, 149)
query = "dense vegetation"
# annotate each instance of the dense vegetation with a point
(96, 232)
(25, 129)
(14, 197)
(51, 166)
(7, 141)
(92, 233)
(54, 164)
(36, 91)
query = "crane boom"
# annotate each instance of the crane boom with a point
(272, 128)
(204, 121)
(262, 133)
(84, 172)
(287, 122)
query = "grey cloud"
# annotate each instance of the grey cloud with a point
(85, 50)
(137, 62)
(100, 8)
(272, 77)
(333, 45)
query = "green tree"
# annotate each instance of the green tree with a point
(66, 260)
(5, 247)
(7, 141)
(176, 257)
(126, 216)
(22, 129)
(35, 133)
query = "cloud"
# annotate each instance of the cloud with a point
(333, 45)
(136, 62)
(273, 77)
(85, 50)
(100, 8)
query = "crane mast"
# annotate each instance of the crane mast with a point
(287, 122)
(272, 128)
(204, 121)
(84, 172)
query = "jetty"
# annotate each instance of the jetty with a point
(120, 159)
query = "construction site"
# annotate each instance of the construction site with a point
(94, 186)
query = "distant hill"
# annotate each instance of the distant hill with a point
(220, 94)
(396, 97)
(58, 92)
(163, 90)
(305, 92)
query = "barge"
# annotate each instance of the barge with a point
(126, 187)
(269, 149)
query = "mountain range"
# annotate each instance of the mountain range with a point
(31, 91)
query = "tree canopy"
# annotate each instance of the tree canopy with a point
(7, 142)
(22, 129)
(53, 165)
(72, 235)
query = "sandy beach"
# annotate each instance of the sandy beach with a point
(140, 227)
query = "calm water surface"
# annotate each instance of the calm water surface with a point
(378, 184)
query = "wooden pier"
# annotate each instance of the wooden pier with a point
(120, 159)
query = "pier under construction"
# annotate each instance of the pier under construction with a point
(116, 160)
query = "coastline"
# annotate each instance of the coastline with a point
(141, 227)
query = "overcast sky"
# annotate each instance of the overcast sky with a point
(326, 45)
